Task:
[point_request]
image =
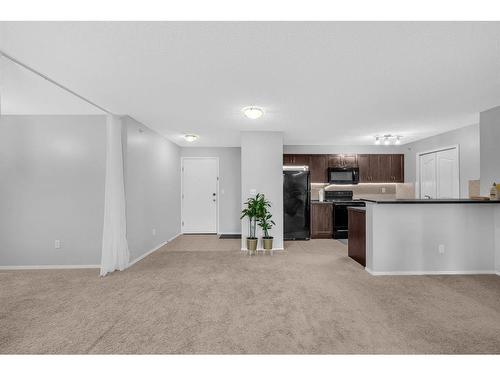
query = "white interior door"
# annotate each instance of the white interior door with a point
(199, 195)
(439, 174)
(428, 175)
(448, 180)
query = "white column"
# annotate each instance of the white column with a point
(262, 172)
(115, 253)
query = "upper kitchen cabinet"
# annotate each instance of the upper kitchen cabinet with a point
(342, 160)
(295, 159)
(397, 168)
(318, 166)
(369, 168)
(381, 168)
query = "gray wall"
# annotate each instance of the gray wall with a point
(52, 172)
(262, 170)
(152, 188)
(229, 183)
(490, 156)
(468, 140)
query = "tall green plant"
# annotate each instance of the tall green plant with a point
(252, 211)
(264, 216)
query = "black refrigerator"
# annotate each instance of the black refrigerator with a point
(296, 203)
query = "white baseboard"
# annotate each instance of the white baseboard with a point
(81, 266)
(174, 237)
(422, 273)
(50, 267)
(149, 252)
(261, 249)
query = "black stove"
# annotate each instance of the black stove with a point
(341, 199)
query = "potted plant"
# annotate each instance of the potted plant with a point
(252, 211)
(265, 222)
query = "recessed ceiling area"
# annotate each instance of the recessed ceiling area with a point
(321, 83)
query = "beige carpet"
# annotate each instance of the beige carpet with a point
(201, 295)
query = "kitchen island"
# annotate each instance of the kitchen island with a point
(420, 237)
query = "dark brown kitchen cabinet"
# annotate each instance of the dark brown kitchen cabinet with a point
(369, 168)
(318, 167)
(384, 170)
(295, 159)
(356, 244)
(321, 220)
(342, 160)
(381, 168)
(287, 159)
(397, 168)
(376, 168)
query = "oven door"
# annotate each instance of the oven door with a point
(340, 223)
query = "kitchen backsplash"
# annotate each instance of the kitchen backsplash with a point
(368, 191)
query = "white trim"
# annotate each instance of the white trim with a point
(182, 190)
(83, 266)
(423, 273)
(51, 267)
(417, 170)
(141, 257)
(152, 250)
(261, 249)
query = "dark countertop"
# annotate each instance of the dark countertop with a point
(357, 208)
(317, 201)
(429, 201)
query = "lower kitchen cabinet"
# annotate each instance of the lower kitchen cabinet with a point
(321, 220)
(356, 245)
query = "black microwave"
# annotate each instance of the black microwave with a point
(343, 176)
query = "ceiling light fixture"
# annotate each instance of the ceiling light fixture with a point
(190, 137)
(387, 139)
(253, 112)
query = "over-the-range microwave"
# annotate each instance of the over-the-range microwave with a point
(343, 175)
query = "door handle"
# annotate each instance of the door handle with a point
(213, 194)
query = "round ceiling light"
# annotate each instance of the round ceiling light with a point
(190, 137)
(253, 112)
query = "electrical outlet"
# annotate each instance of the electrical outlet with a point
(57, 244)
(383, 190)
(154, 231)
(441, 249)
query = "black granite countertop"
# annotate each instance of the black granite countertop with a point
(430, 201)
(357, 208)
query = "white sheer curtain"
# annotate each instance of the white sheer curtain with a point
(115, 253)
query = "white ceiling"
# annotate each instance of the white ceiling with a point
(25, 93)
(324, 83)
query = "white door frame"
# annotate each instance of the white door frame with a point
(417, 170)
(182, 188)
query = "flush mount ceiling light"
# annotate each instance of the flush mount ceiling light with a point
(388, 138)
(253, 112)
(190, 137)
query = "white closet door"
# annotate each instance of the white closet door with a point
(448, 179)
(199, 195)
(428, 176)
